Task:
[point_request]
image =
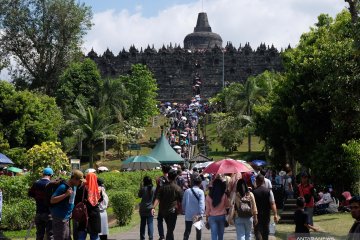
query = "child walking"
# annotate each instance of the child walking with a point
(302, 226)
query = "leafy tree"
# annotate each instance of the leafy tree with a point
(141, 87)
(27, 118)
(238, 102)
(42, 36)
(316, 110)
(114, 96)
(47, 154)
(93, 123)
(80, 81)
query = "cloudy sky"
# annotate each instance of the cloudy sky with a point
(121, 23)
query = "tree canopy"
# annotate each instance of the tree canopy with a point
(141, 87)
(27, 118)
(316, 108)
(80, 81)
(42, 36)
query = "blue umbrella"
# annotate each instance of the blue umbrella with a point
(5, 160)
(259, 162)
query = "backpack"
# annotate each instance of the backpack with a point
(244, 210)
(51, 187)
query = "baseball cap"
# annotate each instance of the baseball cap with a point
(78, 175)
(48, 171)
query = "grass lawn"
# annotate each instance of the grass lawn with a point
(331, 225)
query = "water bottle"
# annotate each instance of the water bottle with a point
(272, 229)
(72, 196)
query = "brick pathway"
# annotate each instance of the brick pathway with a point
(133, 234)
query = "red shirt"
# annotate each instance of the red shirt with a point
(308, 189)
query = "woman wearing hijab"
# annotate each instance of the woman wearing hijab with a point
(92, 198)
(245, 211)
(216, 204)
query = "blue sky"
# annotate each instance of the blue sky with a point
(151, 7)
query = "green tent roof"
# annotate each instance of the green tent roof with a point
(164, 153)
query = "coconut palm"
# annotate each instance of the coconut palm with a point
(93, 123)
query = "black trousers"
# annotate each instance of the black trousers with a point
(261, 230)
(188, 226)
(170, 221)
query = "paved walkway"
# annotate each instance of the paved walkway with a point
(133, 234)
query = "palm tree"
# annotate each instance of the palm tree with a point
(93, 123)
(244, 103)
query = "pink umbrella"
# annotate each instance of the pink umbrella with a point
(226, 166)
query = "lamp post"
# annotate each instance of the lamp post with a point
(223, 68)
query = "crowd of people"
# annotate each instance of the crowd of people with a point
(81, 198)
(227, 199)
(183, 119)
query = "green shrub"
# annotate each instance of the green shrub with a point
(14, 188)
(123, 205)
(126, 181)
(18, 216)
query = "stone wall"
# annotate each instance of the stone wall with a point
(175, 68)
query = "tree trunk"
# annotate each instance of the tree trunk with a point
(91, 160)
(249, 142)
(104, 147)
(80, 147)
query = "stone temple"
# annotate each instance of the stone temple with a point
(203, 59)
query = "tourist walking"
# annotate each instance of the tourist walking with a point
(245, 214)
(216, 204)
(43, 219)
(146, 193)
(62, 202)
(169, 198)
(307, 191)
(265, 202)
(193, 204)
(288, 185)
(354, 232)
(103, 213)
(302, 226)
(161, 181)
(90, 194)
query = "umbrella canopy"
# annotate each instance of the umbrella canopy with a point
(90, 170)
(259, 162)
(202, 165)
(5, 160)
(226, 166)
(14, 169)
(246, 164)
(176, 147)
(102, 168)
(140, 163)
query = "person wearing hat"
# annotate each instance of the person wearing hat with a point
(62, 202)
(193, 204)
(43, 220)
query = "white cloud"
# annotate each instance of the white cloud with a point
(277, 21)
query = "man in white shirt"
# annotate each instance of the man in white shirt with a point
(193, 204)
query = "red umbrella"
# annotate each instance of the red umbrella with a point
(226, 166)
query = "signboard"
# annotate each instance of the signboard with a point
(75, 164)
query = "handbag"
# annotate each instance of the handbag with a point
(80, 213)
